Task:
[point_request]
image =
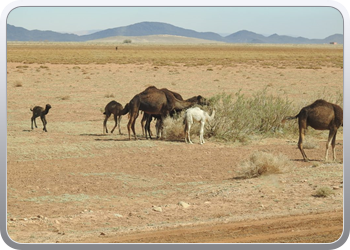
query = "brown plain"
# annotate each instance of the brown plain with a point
(75, 184)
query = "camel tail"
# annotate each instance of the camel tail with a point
(287, 118)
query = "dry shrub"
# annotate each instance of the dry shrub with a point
(310, 143)
(173, 128)
(323, 192)
(262, 163)
(18, 84)
(63, 98)
(109, 95)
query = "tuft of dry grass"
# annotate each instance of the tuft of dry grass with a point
(173, 128)
(63, 98)
(323, 192)
(262, 163)
(310, 143)
(18, 84)
(109, 95)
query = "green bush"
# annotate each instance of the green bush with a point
(239, 116)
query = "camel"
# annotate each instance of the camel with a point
(117, 110)
(198, 115)
(320, 115)
(148, 118)
(153, 101)
(39, 111)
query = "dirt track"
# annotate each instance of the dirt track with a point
(321, 228)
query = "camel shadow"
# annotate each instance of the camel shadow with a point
(93, 135)
(310, 160)
(112, 139)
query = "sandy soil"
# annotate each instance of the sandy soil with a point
(74, 184)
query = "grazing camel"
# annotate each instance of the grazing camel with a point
(117, 110)
(320, 115)
(147, 118)
(198, 115)
(39, 111)
(159, 129)
(153, 101)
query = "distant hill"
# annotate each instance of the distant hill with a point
(156, 28)
(155, 39)
(14, 33)
(152, 28)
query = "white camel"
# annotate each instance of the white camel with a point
(198, 115)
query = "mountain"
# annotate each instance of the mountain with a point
(153, 28)
(245, 36)
(156, 28)
(14, 33)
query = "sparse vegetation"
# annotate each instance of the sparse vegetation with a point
(18, 84)
(63, 98)
(79, 167)
(239, 117)
(227, 55)
(262, 163)
(324, 192)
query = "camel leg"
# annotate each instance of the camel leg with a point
(147, 127)
(333, 145)
(331, 136)
(105, 130)
(33, 120)
(188, 133)
(119, 118)
(143, 124)
(115, 123)
(300, 143)
(131, 120)
(160, 127)
(201, 132)
(133, 125)
(128, 126)
(44, 123)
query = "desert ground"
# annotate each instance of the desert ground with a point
(75, 184)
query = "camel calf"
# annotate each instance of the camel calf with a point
(320, 115)
(117, 110)
(198, 115)
(39, 111)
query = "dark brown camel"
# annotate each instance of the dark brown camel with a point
(148, 118)
(117, 110)
(153, 101)
(320, 115)
(39, 111)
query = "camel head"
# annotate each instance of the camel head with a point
(202, 101)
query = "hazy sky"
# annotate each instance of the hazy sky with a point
(308, 22)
